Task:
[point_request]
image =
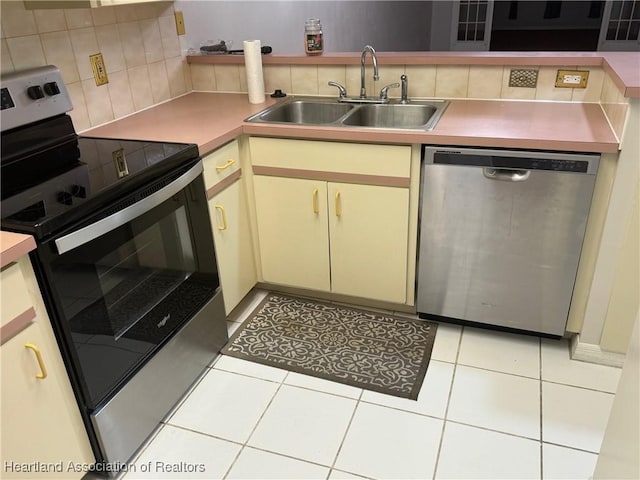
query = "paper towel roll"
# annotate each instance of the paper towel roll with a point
(253, 67)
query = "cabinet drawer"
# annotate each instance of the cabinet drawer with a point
(15, 295)
(221, 163)
(349, 158)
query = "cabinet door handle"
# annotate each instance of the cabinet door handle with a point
(338, 205)
(223, 215)
(230, 162)
(316, 207)
(43, 370)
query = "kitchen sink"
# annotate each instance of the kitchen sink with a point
(416, 115)
(392, 116)
(305, 112)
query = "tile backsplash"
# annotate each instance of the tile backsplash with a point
(139, 44)
(441, 81)
(144, 62)
(425, 81)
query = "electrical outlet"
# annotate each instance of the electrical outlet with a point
(99, 69)
(180, 23)
(572, 78)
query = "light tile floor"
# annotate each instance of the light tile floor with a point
(493, 405)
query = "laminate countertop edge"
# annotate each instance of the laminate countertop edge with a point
(13, 246)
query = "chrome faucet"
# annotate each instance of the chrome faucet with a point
(374, 59)
(403, 90)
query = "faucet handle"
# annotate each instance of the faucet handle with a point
(384, 92)
(341, 89)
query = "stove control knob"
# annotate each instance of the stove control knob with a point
(51, 89)
(35, 92)
(65, 198)
(79, 191)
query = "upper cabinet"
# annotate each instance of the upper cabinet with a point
(40, 4)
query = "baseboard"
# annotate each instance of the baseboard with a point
(588, 352)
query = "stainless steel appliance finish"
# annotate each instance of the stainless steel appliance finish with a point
(31, 95)
(124, 259)
(500, 235)
(124, 423)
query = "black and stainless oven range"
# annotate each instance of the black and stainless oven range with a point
(124, 258)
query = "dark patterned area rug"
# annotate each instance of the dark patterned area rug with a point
(369, 350)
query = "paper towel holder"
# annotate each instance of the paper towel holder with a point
(277, 93)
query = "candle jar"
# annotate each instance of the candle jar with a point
(313, 41)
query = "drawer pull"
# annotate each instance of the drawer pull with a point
(338, 204)
(316, 207)
(223, 215)
(43, 370)
(230, 162)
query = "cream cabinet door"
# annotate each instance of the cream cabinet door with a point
(293, 232)
(232, 238)
(369, 239)
(40, 421)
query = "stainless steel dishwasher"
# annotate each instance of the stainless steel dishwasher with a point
(500, 235)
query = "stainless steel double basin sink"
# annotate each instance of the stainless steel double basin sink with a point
(416, 115)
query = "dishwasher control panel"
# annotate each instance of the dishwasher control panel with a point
(513, 159)
(453, 158)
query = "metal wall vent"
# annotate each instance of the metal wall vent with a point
(523, 77)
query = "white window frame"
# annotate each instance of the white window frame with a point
(471, 45)
(614, 45)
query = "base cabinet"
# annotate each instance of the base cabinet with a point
(336, 237)
(232, 238)
(368, 228)
(42, 433)
(229, 216)
(293, 231)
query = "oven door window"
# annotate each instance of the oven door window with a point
(126, 292)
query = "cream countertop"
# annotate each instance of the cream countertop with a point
(212, 119)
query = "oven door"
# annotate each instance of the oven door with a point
(123, 282)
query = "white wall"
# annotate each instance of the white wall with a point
(347, 25)
(619, 452)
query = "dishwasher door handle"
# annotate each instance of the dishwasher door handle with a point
(506, 174)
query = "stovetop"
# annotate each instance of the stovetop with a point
(46, 190)
(51, 177)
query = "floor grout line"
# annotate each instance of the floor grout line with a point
(590, 389)
(593, 389)
(446, 411)
(206, 434)
(346, 431)
(577, 449)
(220, 369)
(246, 442)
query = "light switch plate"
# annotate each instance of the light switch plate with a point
(572, 78)
(99, 69)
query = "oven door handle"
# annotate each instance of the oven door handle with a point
(91, 232)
